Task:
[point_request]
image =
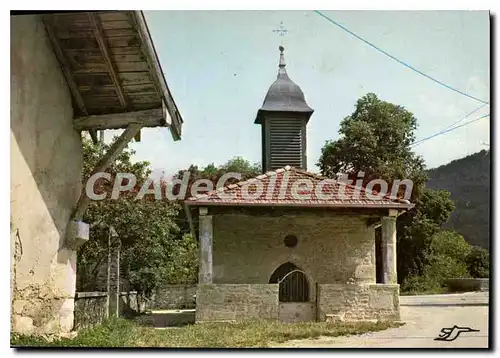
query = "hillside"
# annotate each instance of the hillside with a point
(468, 180)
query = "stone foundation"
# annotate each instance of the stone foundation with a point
(238, 302)
(338, 302)
(335, 302)
(42, 315)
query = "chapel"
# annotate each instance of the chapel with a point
(290, 245)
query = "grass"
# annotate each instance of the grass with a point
(123, 333)
(432, 291)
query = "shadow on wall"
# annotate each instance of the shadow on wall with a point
(46, 152)
(46, 174)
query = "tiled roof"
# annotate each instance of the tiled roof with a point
(277, 188)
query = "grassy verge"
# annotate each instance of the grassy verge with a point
(123, 333)
(434, 291)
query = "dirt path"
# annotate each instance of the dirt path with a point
(424, 316)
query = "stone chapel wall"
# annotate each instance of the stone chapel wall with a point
(236, 302)
(377, 302)
(331, 248)
(46, 168)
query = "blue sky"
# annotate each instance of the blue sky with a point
(219, 65)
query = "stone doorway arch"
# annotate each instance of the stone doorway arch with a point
(293, 283)
(294, 294)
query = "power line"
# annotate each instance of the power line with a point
(446, 131)
(453, 124)
(396, 59)
(460, 120)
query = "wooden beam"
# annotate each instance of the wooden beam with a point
(187, 210)
(157, 73)
(99, 35)
(147, 118)
(93, 135)
(137, 137)
(104, 163)
(64, 64)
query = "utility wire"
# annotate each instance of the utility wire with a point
(451, 125)
(396, 59)
(460, 120)
(446, 131)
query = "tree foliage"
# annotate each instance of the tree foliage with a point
(416, 229)
(478, 262)
(446, 258)
(375, 139)
(214, 173)
(152, 241)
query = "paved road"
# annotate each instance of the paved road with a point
(424, 316)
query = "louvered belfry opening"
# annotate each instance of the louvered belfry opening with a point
(284, 143)
(284, 116)
(293, 284)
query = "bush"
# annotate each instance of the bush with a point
(443, 267)
(478, 262)
(451, 244)
(414, 284)
(446, 259)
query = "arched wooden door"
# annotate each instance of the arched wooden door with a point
(294, 305)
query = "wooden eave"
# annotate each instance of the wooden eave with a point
(111, 67)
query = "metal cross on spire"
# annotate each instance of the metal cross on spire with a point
(281, 31)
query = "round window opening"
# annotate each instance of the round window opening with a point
(290, 241)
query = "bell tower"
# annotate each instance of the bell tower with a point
(283, 117)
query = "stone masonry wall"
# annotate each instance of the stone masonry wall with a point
(226, 302)
(331, 248)
(91, 308)
(46, 169)
(174, 297)
(358, 302)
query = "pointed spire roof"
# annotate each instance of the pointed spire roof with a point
(284, 95)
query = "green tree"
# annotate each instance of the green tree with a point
(478, 262)
(151, 238)
(213, 173)
(451, 244)
(375, 139)
(416, 229)
(446, 258)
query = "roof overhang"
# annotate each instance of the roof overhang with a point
(262, 113)
(111, 67)
(398, 206)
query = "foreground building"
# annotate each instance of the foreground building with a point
(288, 245)
(70, 72)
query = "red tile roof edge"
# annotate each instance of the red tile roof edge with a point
(198, 199)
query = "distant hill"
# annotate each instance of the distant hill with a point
(468, 180)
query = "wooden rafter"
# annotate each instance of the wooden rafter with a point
(147, 118)
(101, 41)
(64, 64)
(155, 70)
(93, 135)
(104, 163)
